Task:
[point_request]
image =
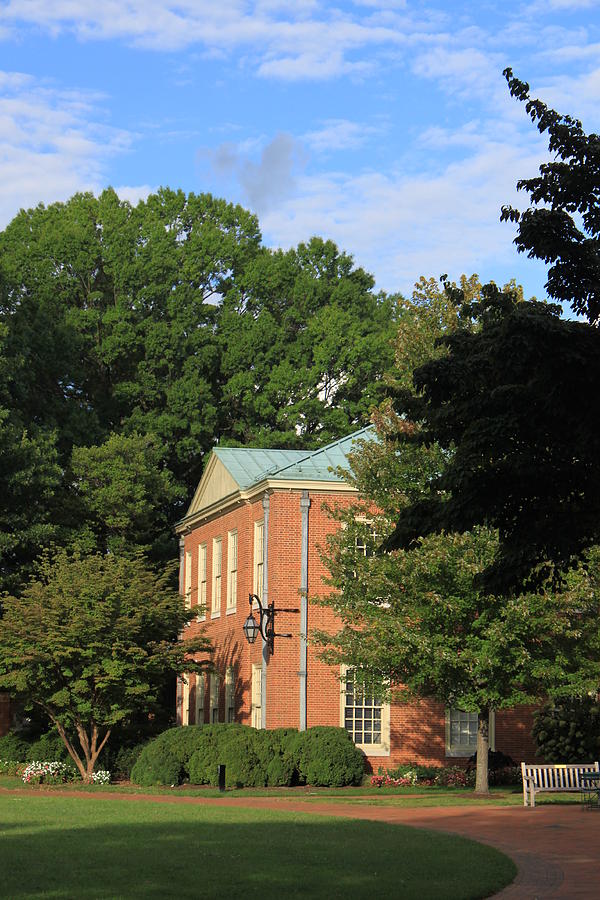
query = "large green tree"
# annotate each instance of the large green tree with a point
(170, 323)
(417, 623)
(91, 641)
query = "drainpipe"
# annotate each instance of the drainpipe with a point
(179, 683)
(265, 601)
(302, 674)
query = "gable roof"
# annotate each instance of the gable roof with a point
(232, 471)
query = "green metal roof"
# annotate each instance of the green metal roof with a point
(249, 466)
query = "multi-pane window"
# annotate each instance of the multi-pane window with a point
(229, 695)
(461, 732)
(362, 714)
(187, 591)
(201, 582)
(216, 576)
(365, 543)
(259, 537)
(232, 556)
(365, 716)
(199, 699)
(214, 698)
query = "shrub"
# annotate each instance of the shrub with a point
(568, 730)
(124, 760)
(47, 746)
(13, 747)
(326, 756)
(11, 767)
(165, 759)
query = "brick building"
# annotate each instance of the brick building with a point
(255, 526)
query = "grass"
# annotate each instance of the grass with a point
(59, 847)
(366, 794)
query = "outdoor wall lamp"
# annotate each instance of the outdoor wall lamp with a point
(266, 623)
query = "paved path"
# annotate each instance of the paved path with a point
(556, 848)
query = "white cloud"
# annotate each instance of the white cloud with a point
(340, 134)
(52, 143)
(408, 225)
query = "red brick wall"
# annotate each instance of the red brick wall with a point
(4, 714)
(417, 732)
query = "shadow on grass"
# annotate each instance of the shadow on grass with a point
(62, 848)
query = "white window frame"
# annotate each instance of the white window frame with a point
(382, 748)
(200, 689)
(258, 567)
(202, 578)
(229, 695)
(187, 591)
(214, 698)
(256, 696)
(232, 564)
(465, 749)
(185, 699)
(217, 577)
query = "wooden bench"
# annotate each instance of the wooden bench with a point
(557, 777)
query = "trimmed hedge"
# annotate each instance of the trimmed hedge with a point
(48, 746)
(252, 758)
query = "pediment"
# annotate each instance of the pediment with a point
(216, 484)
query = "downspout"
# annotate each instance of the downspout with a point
(302, 674)
(179, 683)
(265, 601)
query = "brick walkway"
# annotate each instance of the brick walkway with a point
(556, 848)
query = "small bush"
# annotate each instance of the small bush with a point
(13, 747)
(48, 746)
(49, 772)
(11, 767)
(124, 760)
(568, 730)
(326, 756)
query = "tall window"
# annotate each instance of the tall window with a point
(259, 540)
(185, 704)
(201, 582)
(232, 556)
(365, 716)
(200, 699)
(187, 592)
(216, 576)
(229, 695)
(255, 712)
(214, 698)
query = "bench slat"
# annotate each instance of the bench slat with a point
(553, 777)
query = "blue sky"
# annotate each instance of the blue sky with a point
(383, 124)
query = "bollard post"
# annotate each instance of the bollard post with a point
(221, 774)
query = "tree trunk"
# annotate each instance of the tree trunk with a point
(483, 746)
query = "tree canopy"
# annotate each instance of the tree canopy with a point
(562, 227)
(91, 641)
(168, 326)
(423, 616)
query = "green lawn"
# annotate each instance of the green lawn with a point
(53, 846)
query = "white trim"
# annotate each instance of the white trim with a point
(371, 749)
(217, 577)
(202, 581)
(236, 498)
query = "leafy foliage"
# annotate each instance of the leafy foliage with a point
(524, 445)
(252, 758)
(568, 730)
(90, 641)
(132, 339)
(563, 225)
